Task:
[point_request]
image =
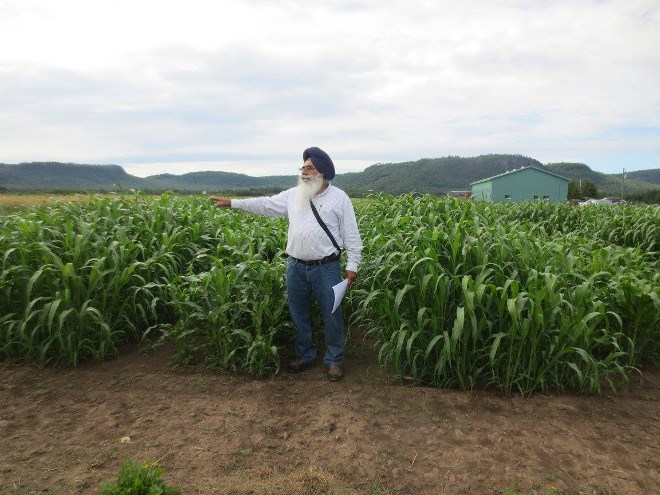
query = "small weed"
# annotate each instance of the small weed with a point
(142, 479)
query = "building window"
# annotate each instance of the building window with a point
(536, 197)
(507, 196)
(546, 198)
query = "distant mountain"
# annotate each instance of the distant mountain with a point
(215, 181)
(53, 176)
(652, 175)
(432, 175)
(428, 175)
(609, 184)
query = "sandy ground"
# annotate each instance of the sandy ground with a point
(61, 432)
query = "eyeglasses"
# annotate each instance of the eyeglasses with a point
(309, 168)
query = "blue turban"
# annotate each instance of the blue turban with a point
(321, 161)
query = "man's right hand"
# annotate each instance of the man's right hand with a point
(220, 201)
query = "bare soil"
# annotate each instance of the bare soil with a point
(63, 431)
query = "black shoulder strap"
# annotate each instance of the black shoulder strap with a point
(324, 226)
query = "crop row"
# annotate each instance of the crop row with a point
(513, 297)
(459, 295)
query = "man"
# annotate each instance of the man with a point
(313, 266)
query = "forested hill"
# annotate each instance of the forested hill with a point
(215, 181)
(432, 175)
(428, 175)
(53, 176)
(652, 175)
(609, 184)
(56, 176)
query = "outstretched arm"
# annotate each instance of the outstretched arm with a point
(268, 206)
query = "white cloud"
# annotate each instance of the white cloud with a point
(254, 82)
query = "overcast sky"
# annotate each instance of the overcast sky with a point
(245, 86)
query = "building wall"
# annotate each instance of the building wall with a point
(482, 191)
(527, 185)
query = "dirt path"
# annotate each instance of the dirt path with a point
(61, 431)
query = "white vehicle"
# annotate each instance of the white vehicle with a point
(604, 201)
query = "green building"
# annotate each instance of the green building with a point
(522, 184)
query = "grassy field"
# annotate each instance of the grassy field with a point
(13, 201)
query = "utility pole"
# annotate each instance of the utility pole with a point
(623, 179)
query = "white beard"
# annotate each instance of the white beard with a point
(308, 187)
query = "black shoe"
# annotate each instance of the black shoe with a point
(298, 365)
(335, 373)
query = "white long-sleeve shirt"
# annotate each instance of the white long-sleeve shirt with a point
(306, 240)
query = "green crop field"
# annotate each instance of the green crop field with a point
(517, 298)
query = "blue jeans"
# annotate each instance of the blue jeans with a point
(302, 283)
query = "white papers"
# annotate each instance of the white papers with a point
(340, 290)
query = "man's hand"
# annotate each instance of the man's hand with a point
(220, 201)
(350, 276)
